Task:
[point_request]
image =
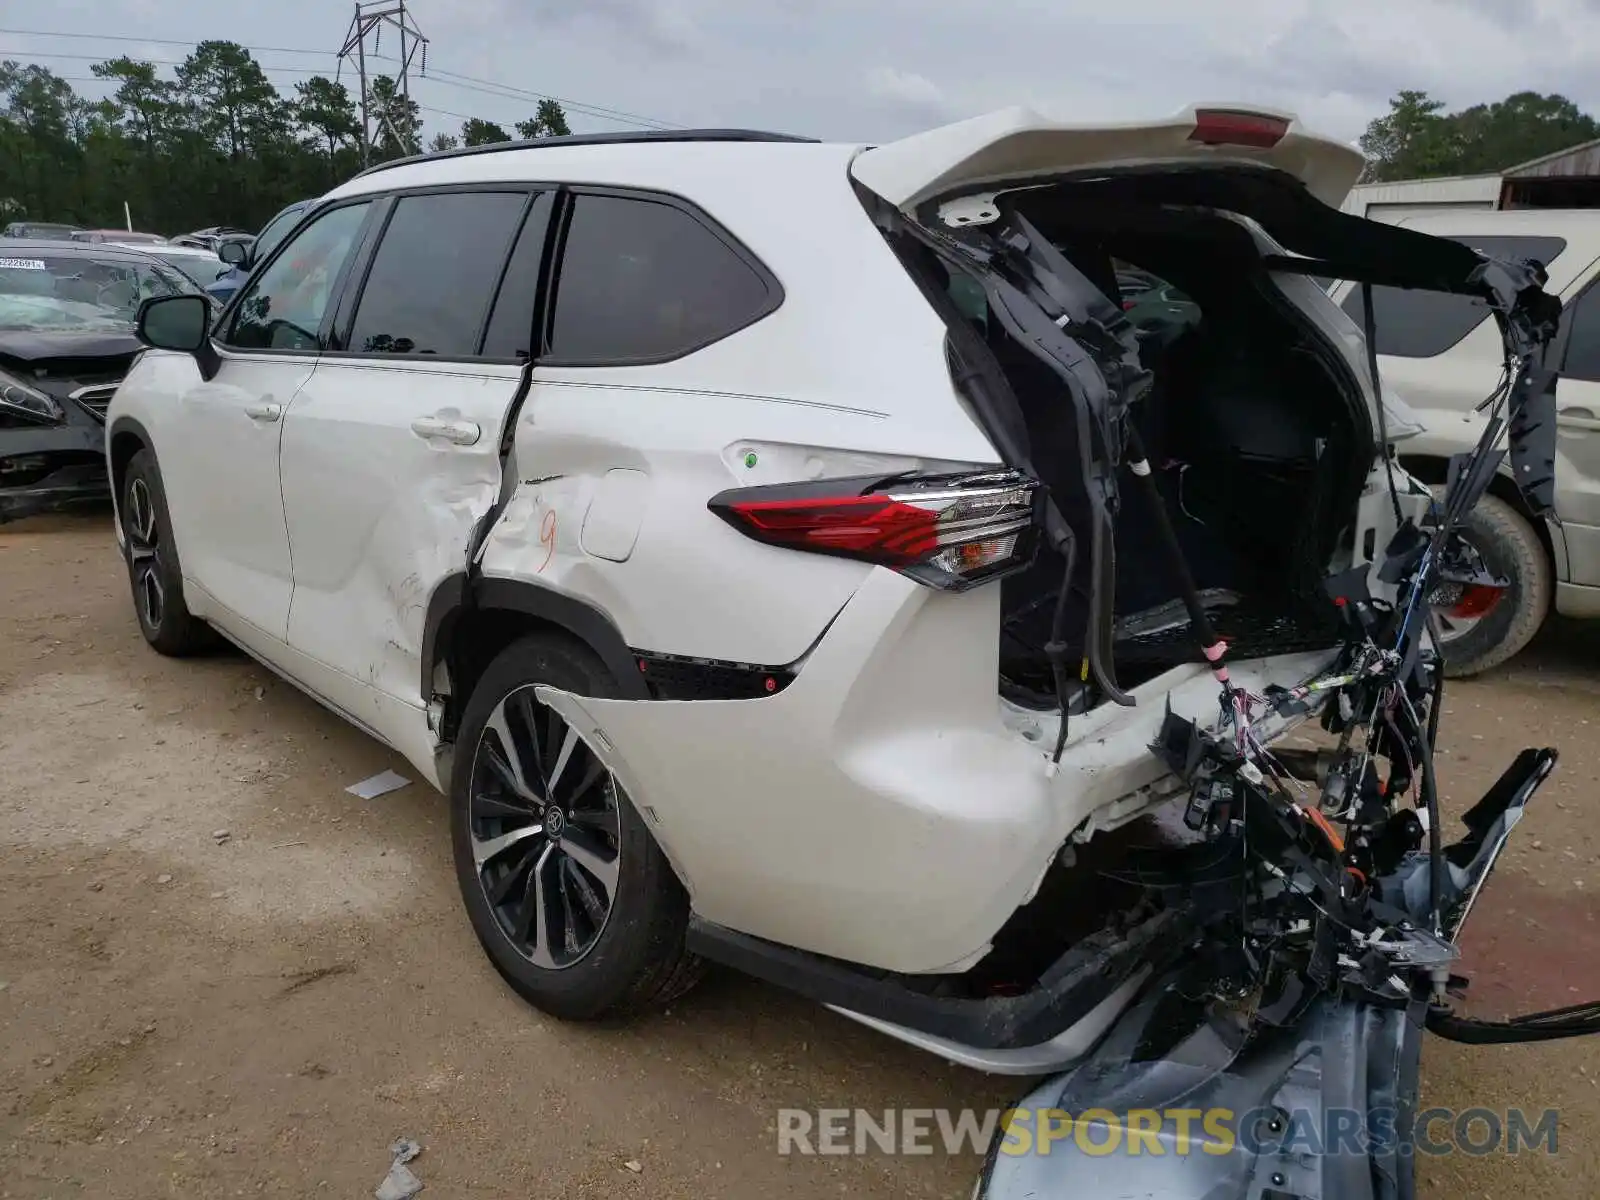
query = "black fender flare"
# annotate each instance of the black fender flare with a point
(582, 620)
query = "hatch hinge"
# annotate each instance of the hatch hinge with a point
(963, 211)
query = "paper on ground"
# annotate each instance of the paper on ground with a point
(380, 784)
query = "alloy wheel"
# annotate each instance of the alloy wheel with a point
(144, 554)
(545, 825)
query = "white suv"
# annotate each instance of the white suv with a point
(744, 532)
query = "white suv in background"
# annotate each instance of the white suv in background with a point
(740, 531)
(1441, 353)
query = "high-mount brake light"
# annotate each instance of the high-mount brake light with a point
(1219, 127)
(950, 532)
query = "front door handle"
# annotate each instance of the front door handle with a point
(263, 412)
(461, 433)
(1575, 417)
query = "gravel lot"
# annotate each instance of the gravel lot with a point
(188, 1014)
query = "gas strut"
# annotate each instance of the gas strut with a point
(1212, 646)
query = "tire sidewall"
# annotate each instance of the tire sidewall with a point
(174, 615)
(1511, 548)
(606, 975)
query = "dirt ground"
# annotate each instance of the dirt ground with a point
(188, 1014)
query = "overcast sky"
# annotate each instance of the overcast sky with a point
(872, 70)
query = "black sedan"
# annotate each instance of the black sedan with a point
(67, 312)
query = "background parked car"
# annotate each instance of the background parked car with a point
(243, 255)
(39, 229)
(199, 264)
(67, 312)
(123, 236)
(1434, 350)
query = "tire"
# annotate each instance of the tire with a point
(1511, 548)
(154, 575)
(632, 958)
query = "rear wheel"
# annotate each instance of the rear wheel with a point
(153, 572)
(566, 889)
(1480, 628)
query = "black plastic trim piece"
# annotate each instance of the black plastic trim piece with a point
(623, 138)
(1087, 973)
(679, 677)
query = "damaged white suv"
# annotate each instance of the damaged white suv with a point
(765, 543)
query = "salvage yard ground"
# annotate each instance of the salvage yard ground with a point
(222, 975)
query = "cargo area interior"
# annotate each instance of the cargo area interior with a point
(1256, 429)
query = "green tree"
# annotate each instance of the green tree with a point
(396, 117)
(549, 120)
(144, 104)
(1411, 141)
(1418, 139)
(480, 133)
(235, 104)
(326, 110)
(444, 141)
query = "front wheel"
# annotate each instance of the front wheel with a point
(1480, 628)
(566, 889)
(153, 572)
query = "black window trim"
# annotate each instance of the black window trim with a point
(774, 288)
(389, 201)
(336, 294)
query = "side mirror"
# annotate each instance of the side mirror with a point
(180, 323)
(235, 254)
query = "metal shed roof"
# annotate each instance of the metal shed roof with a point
(1580, 160)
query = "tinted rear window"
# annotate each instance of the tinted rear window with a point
(645, 281)
(1418, 324)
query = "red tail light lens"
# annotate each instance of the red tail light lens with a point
(950, 531)
(1217, 127)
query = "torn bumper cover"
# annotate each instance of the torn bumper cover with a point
(1219, 1097)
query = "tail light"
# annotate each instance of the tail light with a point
(1218, 127)
(950, 532)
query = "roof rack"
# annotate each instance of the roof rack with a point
(595, 139)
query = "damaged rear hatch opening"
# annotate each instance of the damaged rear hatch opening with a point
(1218, 485)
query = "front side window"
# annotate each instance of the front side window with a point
(277, 229)
(644, 281)
(283, 307)
(435, 272)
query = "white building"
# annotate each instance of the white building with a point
(1566, 179)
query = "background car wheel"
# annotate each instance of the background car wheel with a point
(568, 893)
(153, 572)
(1482, 629)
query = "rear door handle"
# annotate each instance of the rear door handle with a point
(1578, 418)
(460, 433)
(263, 412)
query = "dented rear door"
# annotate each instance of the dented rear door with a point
(391, 455)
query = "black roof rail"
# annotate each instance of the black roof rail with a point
(596, 139)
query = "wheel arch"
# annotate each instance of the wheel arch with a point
(126, 438)
(468, 622)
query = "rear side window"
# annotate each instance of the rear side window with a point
(1418, 324)
(434, 274)
(645, 281)
(1583, 339)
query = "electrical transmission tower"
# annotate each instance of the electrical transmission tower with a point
(367, 27)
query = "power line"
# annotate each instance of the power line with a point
(450, 78)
